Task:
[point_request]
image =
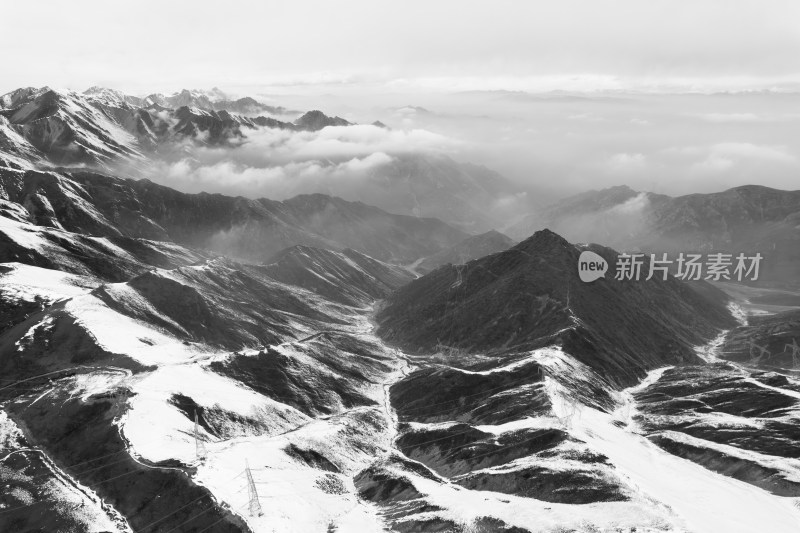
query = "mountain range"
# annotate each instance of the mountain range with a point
(748, 219)
(106, 130)
(176, 362)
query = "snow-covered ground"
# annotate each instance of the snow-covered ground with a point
(702, 501)
(303, 467)
(293, 495)
(710, 352)
(157, 430)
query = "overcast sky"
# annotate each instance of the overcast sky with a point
(409, 45)
(367, 59)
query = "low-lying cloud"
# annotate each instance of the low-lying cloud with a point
(279, 163)
(549, 145)
(276, 181)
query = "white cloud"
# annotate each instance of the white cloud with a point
(282, 163)
(729, 117)
(276, 181)
(625, 162)
(753, 151)
(736, 150)
(588, 117)
(634, 205)
(713, 164)
(269, 146)
(725, 157)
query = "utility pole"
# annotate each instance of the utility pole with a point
(200, 447)
(255, 505)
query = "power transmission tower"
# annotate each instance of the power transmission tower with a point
(200, 447)
(763, 353)
(795, 353)
(255, 505)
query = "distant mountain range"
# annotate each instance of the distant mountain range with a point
(102, 127)
(470, 248)
(107, 130)
(748, 219)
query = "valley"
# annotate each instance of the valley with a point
(193, 362)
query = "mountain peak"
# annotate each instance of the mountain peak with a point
(529, 297)
(315, 120)
(544, 239)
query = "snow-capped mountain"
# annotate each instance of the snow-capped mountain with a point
(111, 131)
(103, 127)
(177, 362)
(214, 100)
(68, 128)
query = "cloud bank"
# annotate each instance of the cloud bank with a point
(279, 164)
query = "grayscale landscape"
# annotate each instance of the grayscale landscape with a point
(317, 267)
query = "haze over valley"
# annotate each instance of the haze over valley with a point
(317, 267)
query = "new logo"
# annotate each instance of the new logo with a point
(591, 266)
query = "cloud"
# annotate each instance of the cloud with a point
(587, 117)
(737, 150)
(713, 164)
(609, 226)
(753, 151)
(625, 162)
(278, 163)
(636, 205)
(725, 157)
(276, 181)
(729, 117)
(268, 146)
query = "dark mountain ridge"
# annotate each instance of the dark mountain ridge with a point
(530, 296)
